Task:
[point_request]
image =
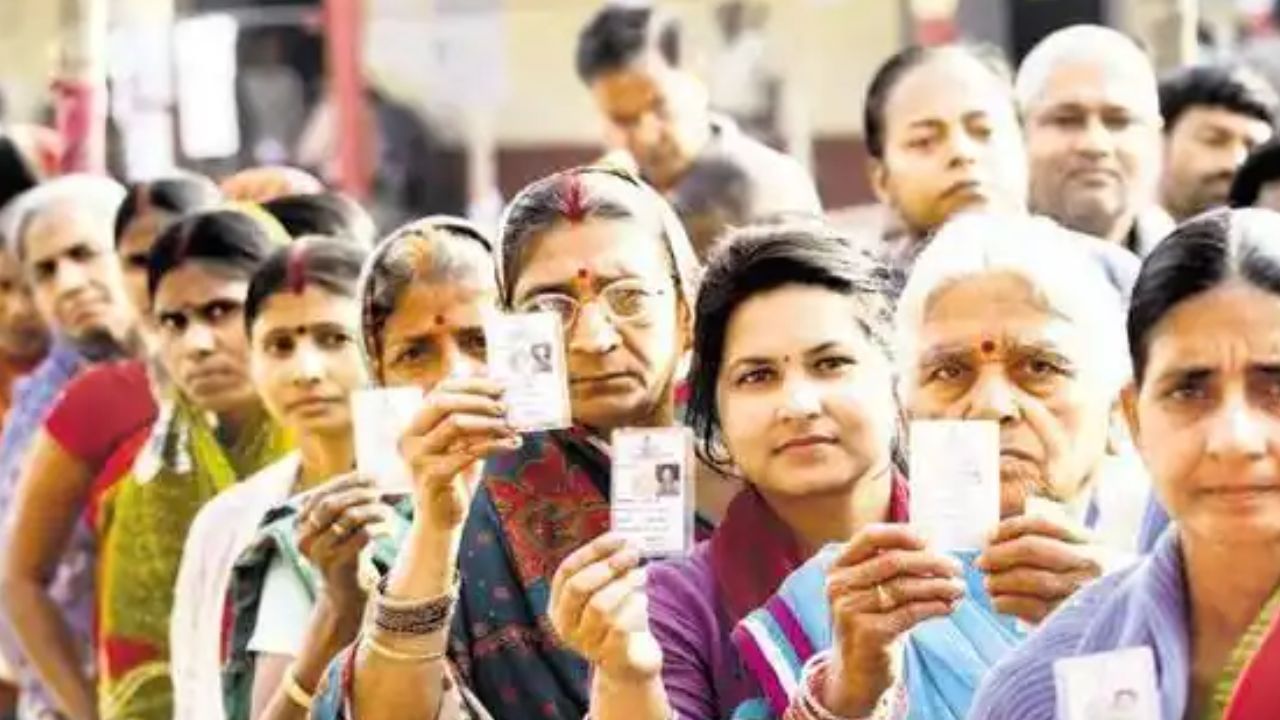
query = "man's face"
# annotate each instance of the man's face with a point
(1093, 139)
(77, 282)
(658, 114)
(1202, 152)
(23, 333)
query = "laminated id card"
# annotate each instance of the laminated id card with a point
(1117, 685)
(955, 482)
(526, 355)
(380, 417)
(652, 489)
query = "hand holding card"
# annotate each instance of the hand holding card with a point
(651, 502)
(526, 356)
(955, 482)
(462, 422)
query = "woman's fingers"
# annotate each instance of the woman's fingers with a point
(475, 396)
(458, 430)
(583, 574)
(878, 538)
(897, 563)
(600, 614)
(602, 547)
(888, 596)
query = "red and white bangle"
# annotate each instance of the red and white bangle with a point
(806, 704)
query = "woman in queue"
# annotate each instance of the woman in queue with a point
(805, 414)
(1202, 333)
(302, 320)
(211, 432)
(51, 559)
(607, 254)
(298, 594)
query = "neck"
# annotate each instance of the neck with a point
(823, 518)
(324, 457)
(233, 423)
(1224, 600)
(1125, 224)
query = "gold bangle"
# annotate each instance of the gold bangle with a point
(401, 657)
(297, 695)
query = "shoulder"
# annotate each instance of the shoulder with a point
(110, 378)
(1021, 686)
(256, 494)
(100, 407)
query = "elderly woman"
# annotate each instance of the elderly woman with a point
(1006, 319)
(1202, 337)
(607, 254)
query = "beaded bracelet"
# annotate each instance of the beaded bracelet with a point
(412, 617)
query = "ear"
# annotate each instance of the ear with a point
(1125, 413)
(878, 174)
(684, 325)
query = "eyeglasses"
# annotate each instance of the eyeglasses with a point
(624, 301)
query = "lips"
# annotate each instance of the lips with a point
(602, 378)
(218, 376)
(1017, 454)
(803, 442)
(311, 404)
(1094, 176)
(970, 188)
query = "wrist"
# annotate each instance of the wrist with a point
(847, 691)
(618, 680)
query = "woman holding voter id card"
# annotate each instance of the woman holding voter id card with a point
(302, 321)
(595, 263)
(1006, 352)
(804, 412)
(1192, 628)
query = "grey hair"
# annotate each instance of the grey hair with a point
(1083, 43)
(1057, 263)
(98, 196)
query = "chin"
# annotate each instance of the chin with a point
(612, 411)
(226, 403)
(327, 426)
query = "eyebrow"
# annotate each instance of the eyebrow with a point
(324, 325)
(756, 360)
(949, 351)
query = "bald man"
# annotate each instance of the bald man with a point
(1091, 113)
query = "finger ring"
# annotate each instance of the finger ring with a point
(338, 528)
(884, 599)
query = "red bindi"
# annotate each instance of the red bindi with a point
(988, 347)
(439, 320)
(573, 198)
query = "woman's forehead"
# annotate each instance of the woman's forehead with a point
(198, 281)
(422, 304)
(597, 247)
(313, 305)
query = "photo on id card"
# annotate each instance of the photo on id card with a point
(652, 489)
(526, 355)
(1117, 685)
(380, 416)
(955, 482)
